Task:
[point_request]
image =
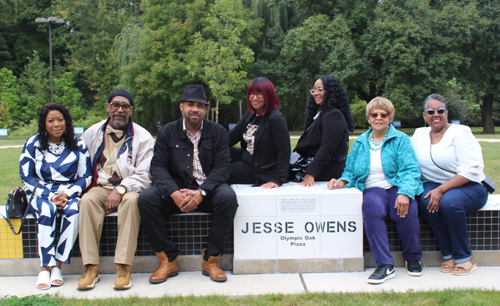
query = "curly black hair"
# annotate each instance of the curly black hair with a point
(335, 97)
(69, 134)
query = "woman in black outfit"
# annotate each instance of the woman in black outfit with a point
(264, 155)
(326, 136)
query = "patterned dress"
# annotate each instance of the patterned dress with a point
(69, 172)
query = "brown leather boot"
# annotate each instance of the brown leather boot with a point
(90, 276)
(165, 269)
(123, 280)
(211, 268)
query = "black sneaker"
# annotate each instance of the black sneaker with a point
(381, 274)
(414, 268)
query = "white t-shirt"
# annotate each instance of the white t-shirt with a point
(458, 151)
(376, 177)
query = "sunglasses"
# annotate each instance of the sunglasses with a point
(259, 95)
(431, 112)
(375, 115)
(125, 106)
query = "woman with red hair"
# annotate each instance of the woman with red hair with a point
(264, 155)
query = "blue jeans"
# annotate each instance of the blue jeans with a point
(449, 224)
(378, 203)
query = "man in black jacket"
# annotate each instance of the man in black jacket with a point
(189, 168)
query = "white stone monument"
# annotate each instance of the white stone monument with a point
(298, 229)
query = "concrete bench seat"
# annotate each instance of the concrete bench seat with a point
(19, 254)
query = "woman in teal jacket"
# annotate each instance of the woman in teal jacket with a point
(382, 164)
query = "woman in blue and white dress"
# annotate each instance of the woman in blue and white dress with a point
(60, 162)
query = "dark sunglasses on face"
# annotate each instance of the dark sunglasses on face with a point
(375, 115)
(431, 112)
(125, 106)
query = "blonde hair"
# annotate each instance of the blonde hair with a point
(380, 103)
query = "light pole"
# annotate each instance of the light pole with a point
(50, 21)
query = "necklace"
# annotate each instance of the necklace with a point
(56, 148)
(444, 129)
(317, 115)
(375, 146)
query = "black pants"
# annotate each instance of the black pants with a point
(221, 203)
(242, 171)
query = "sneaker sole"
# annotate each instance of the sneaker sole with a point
(123, 287)
(380, 281)
(88, 287)
(413, 273)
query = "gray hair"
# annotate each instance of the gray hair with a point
(435, 97)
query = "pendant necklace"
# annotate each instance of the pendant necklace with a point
(444, 129)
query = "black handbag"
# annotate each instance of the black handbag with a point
(17, 206)
(489, 184)
(298, 166)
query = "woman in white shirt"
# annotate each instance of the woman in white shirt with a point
(451, 163)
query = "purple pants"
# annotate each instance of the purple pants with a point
(378, 203)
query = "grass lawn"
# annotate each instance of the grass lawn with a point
(5, 143)
(446, 297)
(9, 171)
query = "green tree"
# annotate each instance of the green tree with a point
(221, 49)
(66, 93)
(9, 98)
(94, 25)
(414, 49)
(484, 51)
(35, 88)
(160, 58)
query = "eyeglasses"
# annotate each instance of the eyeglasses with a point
(431, 112)
(320, 90)
(259, 95)
(125, 106)
(375, 115)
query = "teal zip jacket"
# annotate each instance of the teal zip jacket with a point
(399, 163)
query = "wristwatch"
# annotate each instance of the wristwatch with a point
(202, 192)
(122, 190)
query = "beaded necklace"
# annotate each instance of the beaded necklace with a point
(375, 146)
(56, 148)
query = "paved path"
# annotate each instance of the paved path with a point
(194, 283)
(9, 147)
(354, 137)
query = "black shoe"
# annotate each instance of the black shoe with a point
(381, 274)
(414, 268)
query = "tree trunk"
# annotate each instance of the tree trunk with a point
(487, 114)
(136, 11)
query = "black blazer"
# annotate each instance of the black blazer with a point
(172, 163)
(325, 139)
(271, 155)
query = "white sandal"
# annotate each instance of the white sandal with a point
(43, 279)
(55, 275)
